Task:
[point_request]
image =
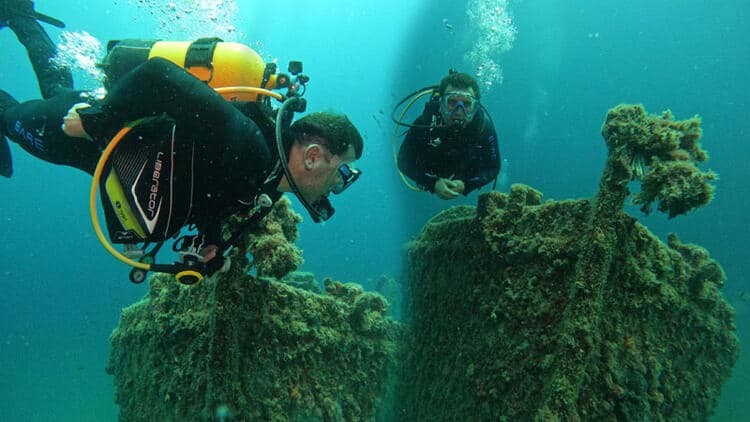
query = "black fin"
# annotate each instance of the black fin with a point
(49, 19)
(6, 162)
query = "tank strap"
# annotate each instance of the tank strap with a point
(200, 53)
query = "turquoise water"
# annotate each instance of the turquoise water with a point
(570, 62)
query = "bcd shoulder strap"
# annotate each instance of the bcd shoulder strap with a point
(263, 116)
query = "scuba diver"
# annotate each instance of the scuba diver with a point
(168, 150)
(451, 148)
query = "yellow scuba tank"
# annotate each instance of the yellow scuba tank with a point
(222, 65)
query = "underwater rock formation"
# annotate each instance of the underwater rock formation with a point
(571, 310)
(238, 347)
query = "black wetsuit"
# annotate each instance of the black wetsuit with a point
(431, 151)
(36, 128)
(40, 48)
(234, 157)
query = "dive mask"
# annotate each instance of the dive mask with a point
(348, 175)
(322, 209)
(452, 102)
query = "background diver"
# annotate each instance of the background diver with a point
(451, 148)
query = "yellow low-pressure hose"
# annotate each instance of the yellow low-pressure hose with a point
(249, 90)
(92, 200)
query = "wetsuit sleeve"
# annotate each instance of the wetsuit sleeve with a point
(489, 159)
(36, 126)
(411, 156)
(155, 87)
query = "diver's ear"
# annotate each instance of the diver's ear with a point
(313, 156)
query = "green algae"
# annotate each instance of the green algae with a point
(264, 349)
(663, 154)
(254, 348)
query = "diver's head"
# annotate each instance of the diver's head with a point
(459, 98)
(324, 146)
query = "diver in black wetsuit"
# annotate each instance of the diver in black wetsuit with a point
(21, 18)
(233, 159)
(207, 159)
(451, 148)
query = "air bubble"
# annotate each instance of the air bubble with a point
(495, 34)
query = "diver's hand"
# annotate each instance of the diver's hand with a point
(214, 260)
(448, 189)
(72, 125)
(458, 186)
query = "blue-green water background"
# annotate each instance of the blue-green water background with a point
(572, 60)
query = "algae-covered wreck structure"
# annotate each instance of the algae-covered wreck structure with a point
(572, 310)
(239, 347)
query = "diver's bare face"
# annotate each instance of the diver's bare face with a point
(320, 173)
